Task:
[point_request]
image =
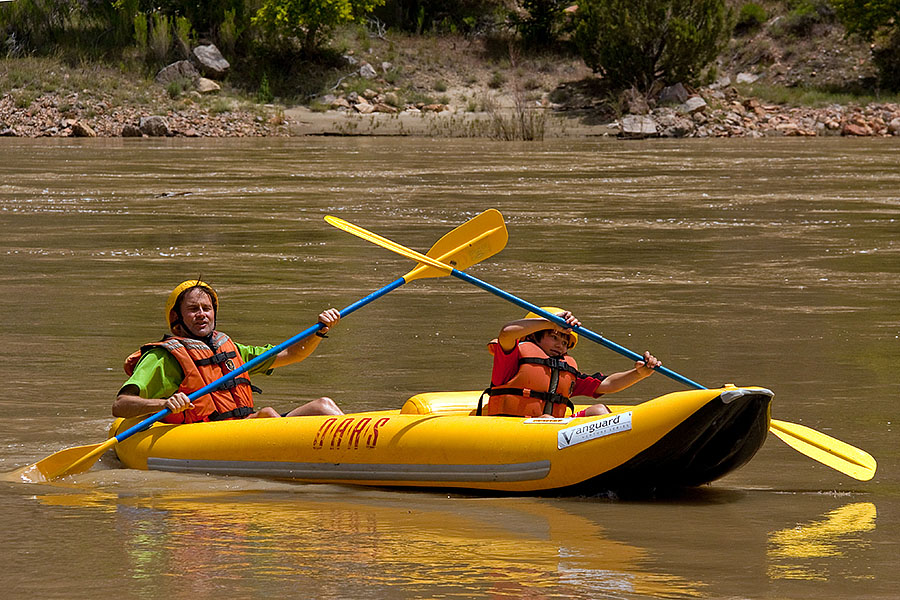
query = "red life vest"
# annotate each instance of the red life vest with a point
(541, 386)
(202, 364)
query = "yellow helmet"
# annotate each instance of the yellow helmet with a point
(573, 337)
(182, 288)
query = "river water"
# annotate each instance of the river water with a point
(763, 262)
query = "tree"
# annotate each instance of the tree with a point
(310, 20)
(639, 42)
(540, 27)
(877, 21)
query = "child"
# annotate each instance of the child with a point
(534, 376)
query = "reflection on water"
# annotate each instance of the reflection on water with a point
(500, 548)
(793, 552)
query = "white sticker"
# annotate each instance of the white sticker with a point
(552, 421)
(593, 430)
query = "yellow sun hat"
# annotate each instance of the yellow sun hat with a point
(555, 310)
(180, 289)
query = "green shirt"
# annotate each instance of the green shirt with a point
(158, 374)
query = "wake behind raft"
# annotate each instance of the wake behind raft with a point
(682, 439)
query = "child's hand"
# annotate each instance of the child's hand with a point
(569, 318)
(648, 366)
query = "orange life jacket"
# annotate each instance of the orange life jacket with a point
(541, 386)
(202, 364)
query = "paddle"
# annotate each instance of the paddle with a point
(475, 240)
(829, 451)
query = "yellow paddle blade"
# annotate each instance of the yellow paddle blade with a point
(66, 462)
(470, 243)
(475, 240)
(838, 455)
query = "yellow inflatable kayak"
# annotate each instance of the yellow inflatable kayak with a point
(681, 439)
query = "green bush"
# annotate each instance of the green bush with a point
(886, 56)
(877, 21)
(160, 42)
(803, 17)
(750, 18)
(541, 27)
(642, 42)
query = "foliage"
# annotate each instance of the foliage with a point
(541, 27)
(184, 36)
(886, 56)
(803, 17)
(867, 17)
(420, 16)
(750, 18)
(642, 42)
(309, 20)
(160, 38)
(264, 94)
(877, 21)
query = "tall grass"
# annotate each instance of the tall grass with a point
(812, 97)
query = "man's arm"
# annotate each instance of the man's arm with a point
(129, 404)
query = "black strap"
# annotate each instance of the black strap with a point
(216, 359)
(549, 398)
(555, 364)
(231, 383)
(480, 400)
(238, 413)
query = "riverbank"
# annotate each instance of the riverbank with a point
(708, 113)
(444, 87)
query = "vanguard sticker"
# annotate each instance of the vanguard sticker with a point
(593, 430)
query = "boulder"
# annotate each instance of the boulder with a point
(635, 102)
(80, 129)
(673, 94)
(853, 129)
(177, 71)
(154, 126)
(206, 86)
(340, 102)
(894, 126)
(672, 125)
(212, 63)
(638, 126)
(384, 108)
(692, 105)
(129, 130)
(367, 71)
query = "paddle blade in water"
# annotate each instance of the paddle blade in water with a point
(838, 455)
(65, 462)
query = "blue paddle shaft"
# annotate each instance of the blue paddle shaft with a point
(211, 387)
(594, 337)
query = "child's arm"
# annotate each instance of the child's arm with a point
(619, 381)
(514, 331)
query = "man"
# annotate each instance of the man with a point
(163, 373)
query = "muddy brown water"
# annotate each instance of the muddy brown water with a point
(763, 262)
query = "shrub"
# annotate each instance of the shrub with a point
(886, 56)
(160, 38)
(876, 21)
(802, 19)
(750, 18)
(641, 42)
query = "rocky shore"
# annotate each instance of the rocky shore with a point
(201, 110)
(711, 112)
